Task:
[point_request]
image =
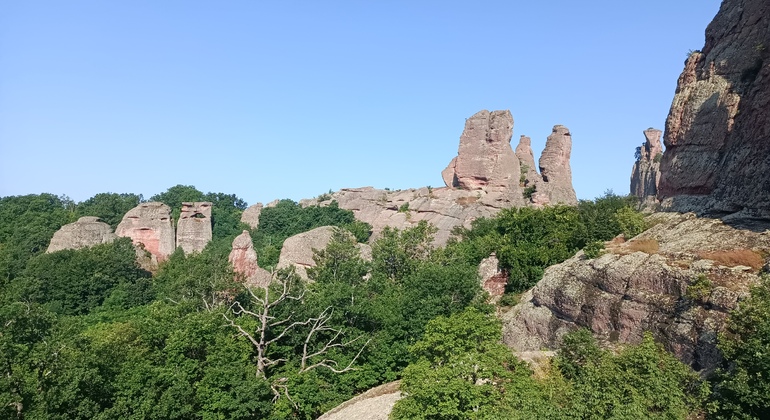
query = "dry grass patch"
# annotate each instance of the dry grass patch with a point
(464, 201)
(735, 257)
(649, 246)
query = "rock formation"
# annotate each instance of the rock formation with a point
(492, 279)
(555, 170)
(193, 232)
(243, 258)
(298, 250)
(250, 216)
(646, 173)
(86, 232)
(484, 178)
(149, 224)
(485, 158)
(679, 280)
(717, 136)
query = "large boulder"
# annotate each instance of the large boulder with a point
(485, 158)
(679, 280)
(193, 232)
(243, 258)
(646, 173)
(86, 232)
(149, 225)
(717, 135)
(298, 250)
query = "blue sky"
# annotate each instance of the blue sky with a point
(288, 99)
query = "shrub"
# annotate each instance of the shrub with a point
(700, 289)
(593, 249)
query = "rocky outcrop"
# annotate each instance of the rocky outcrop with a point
(646, 173)
(250, 216)
(485, 158)
(527, 166)
(298, 250)
(717, 136)
(679, 280)
(556, 186)
(86, 232)
(193, 232)
(492, 279)
(149, 225)
(243, 258)
(374, 404)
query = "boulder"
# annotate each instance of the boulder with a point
(646, 284)
(243, 258)
(193, 232)
(485, 158)
(298, 250)
(646, 172)
(250, 216)
(492, 279)
(86, 232)
(149, 225)
(717, 135)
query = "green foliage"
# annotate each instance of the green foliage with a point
(288, 218)
(657, 158)
(109, 207)
(593, 249)
(74, 282)
(741, 388)
(529, 191)
(700, 289)
(404, 208)
(630, 221)
(462, 370)
(397, 253)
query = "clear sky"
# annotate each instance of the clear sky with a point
(289, 99)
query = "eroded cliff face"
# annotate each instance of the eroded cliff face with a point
(646, 173)
(193, 232)
(717, 139)
(679, 280)
(149, 225)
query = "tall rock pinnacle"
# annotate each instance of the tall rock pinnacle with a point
(555, 168)
(646, 173)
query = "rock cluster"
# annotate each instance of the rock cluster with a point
(678, 280)
(149, 224)
(193, 232)
(243, 258)
(646, 173)
(86, 232)
(485, 161)
(717, 136)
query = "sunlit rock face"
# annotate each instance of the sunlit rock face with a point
(645, 175)
(149, 225)
(86, 232)
(717, 136)
(243, 258)
(193, 232)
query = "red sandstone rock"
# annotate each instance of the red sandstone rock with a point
(243, 258)
(555, 168)
(717, 137)
(646, 173)
(149, 224)
(250, 216)
(492, 280)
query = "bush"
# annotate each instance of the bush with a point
(593, 249)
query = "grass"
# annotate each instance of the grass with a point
(735, 257)
(649, 246)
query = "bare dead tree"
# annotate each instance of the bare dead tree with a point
(270, 330)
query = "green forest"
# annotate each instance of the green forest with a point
(89, 334)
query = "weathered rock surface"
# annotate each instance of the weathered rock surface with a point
(86, 232)
(243, 258)
(555, 170)
(444, 208)
(485, 158)
(298, 250)
(193, 232)
(717, 137)
(149, 224)
(642, 285)
(374, 404)
(250, 216)
(492, 279)
(646, 173)
(527, 161)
